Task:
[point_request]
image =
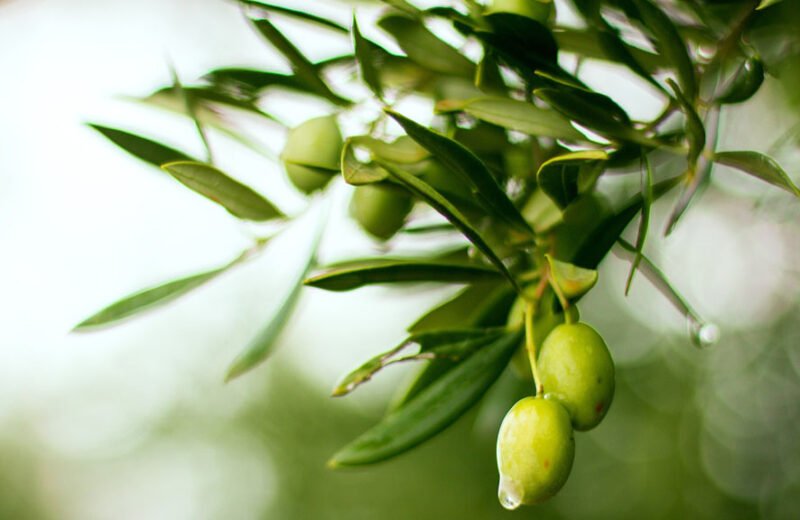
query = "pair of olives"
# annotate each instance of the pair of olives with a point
(311, 158)
(535, 445)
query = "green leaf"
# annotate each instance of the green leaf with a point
(300, 15)
(617, 50)
(766, 3)
(263, 343)
(515, 115)
(147, 299)
(468, 167)
(759, 165)
(695, 130)
(453, 345)
(425, 48)
(240, 200)
(424, 191)
(522, 42)
(644, 222)
(572, 281)
(433, 409)
(140, 147)
(381, 271)
(587, 44)
(669, 43)
(356, 172)
(565, 177)
(745, 83)
(369, 57)
(305, 71)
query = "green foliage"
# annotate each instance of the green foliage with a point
(517, 159)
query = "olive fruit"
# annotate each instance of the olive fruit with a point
(577, 370)
(311, 155)
(542, 11)
(535, 450)
(381, 210)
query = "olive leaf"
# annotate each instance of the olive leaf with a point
(563, 178)
(453, 345)
(369, 57)
(438, 202)
(382, 271)
(240, 200)
(572, 281)
(588, 44)
(522, 42)
(695, 130)
(300, 15)
(758, 165)
(425, 48)
(515, 115)
(140, 147)
(745, 83)
(305, 71)
(468, 167)
(644, 222)
(433, 409)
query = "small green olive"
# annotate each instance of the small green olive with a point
(535, 450)
(543, 11)
(312, 153)
(577, 370)
(381, 210)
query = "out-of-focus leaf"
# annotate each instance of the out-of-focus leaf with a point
(304, 70)
(565, 177)
(488, 77)
(758, 165)
(368, 55)
(381, 272)
(453, 345)
(459, 311)
(644, 222)
(140, 147)
(587, 44)
(766, 3)
(695, 130)
(617, 50)
(433, 409)
(147, 299)
(746, 82)
(240, 200)
(405, 7)
(572, 281)
(425, 48)
(425, 192)
(300, 15)
(356, 172)
(594, 111)
(669, 43)
(466, 165)
(515, 115)
(402, 150)
(522, 42)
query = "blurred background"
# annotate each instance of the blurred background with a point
(135, 421)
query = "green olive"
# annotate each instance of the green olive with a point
(312, 153)
(577, 370)
(381, 210)
(543, 11)
(535, 450)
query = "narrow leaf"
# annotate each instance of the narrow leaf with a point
(379, 272)
(240, 200)
(759, 165)
(695, 130)
(424, 191)
(644, 222)
(147, 299)
(745, 83)
(522, 42)
(140, 147)
(516, 115)
(368, 55)
(300, 15)
(453, 345)
(572, 281)
(565, 177)
(468, 166)
(433, 409)
(304, 70)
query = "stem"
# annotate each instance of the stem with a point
(561, 299)
(530, 346)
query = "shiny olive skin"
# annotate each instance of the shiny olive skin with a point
(380, 210)
(312, 153)
(577, 370)
(535, 451)
(543, 11)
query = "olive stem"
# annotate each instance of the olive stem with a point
(561, 299)
(530, 346)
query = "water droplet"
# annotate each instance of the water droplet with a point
(508, 494)
(466, 121)
(706, 52)
(705, 334)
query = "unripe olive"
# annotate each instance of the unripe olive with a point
(543, 11)
(535, 450)
(577, 370)
(312, 153)
(380, 209)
